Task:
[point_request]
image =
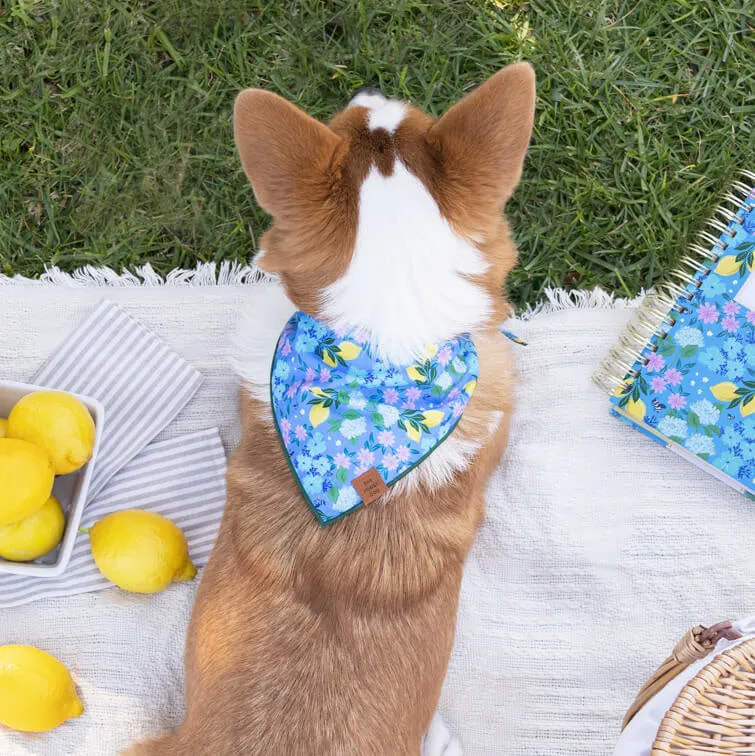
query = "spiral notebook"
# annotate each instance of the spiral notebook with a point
(683, 370)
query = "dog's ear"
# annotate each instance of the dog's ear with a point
(286, 153)
(484, 137)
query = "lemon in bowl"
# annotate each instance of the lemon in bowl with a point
(58, 423)
(35, 535)
(27, 475)
(37, 692)
(140, 551)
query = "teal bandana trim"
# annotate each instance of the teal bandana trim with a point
(342, 412)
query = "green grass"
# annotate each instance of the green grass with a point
(115, 120)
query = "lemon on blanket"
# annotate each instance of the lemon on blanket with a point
(3, 427)
(36, 690)
(26, 478)
(58, 423)
(35, 535)
(140, 551)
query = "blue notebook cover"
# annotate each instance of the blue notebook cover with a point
(692, 386)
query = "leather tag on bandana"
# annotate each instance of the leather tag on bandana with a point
(370, 486)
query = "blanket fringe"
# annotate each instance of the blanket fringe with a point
(205, 274)
(592, 299)
(234, 274)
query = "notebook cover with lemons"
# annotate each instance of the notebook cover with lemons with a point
(683, 371)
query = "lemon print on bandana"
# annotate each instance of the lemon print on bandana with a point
(342, 412)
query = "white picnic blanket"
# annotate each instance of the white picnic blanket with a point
(599, 551)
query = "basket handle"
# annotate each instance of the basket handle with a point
(697, 643)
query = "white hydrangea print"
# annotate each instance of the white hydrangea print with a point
(706, 411)
(699, 444)
(347, 498)
(357, 401)
(353, 428)
(444, 380)
(689, 336)
(673, 426)
(389, 414)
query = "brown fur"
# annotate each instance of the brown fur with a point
(335, 641)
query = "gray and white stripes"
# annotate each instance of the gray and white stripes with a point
(141, 382)
(143, 385)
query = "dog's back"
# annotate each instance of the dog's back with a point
(310, 640)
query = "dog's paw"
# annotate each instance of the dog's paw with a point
(438, 741)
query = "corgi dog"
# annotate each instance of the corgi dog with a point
(334, 641)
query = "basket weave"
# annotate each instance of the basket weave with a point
(715, 711)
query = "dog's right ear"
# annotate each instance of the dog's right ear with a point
(286, 153)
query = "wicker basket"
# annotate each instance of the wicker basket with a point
(715, 711)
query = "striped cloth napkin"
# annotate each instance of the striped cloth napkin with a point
(142, 385)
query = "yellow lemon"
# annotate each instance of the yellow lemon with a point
(470, 386)
(348, 350)
(413, 371)
(35, 535)
(724, 392)
(27, 476)
(432, 417)
(747, 407)
(36, 690)
(58, 423)
(140, 551)
(636, 409)
(318, 414)
(727, 266)
(413, 433)
(3, 427)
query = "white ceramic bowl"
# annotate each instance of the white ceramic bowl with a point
(71, 490)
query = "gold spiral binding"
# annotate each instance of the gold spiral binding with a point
(660, 308)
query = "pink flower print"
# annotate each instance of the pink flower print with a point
(366, 458)
(324, 375)
(731, 308)
(676, 401)
(409, 405)
(286, 348)
(453, 393)
(655, 362)
(458, 408)
(729, 323)
(285, 425)
(286, 436)
(707, 313)
(300, 432)
(751, 317)
(342, 460)
(291, 390)
(390, 396)
(658, 384)
(673, 377)
(390, 462)
(310, 375)
(413, 393)
(403, 453)
(386, 438)
(444, 355)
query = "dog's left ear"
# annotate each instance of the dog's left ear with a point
(484, 137)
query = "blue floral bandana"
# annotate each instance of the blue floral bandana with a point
(352, 424)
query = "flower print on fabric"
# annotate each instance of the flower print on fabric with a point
(695, 384)
(341, 411)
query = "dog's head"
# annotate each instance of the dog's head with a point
(386, 220)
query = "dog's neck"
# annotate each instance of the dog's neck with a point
(409, 281)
